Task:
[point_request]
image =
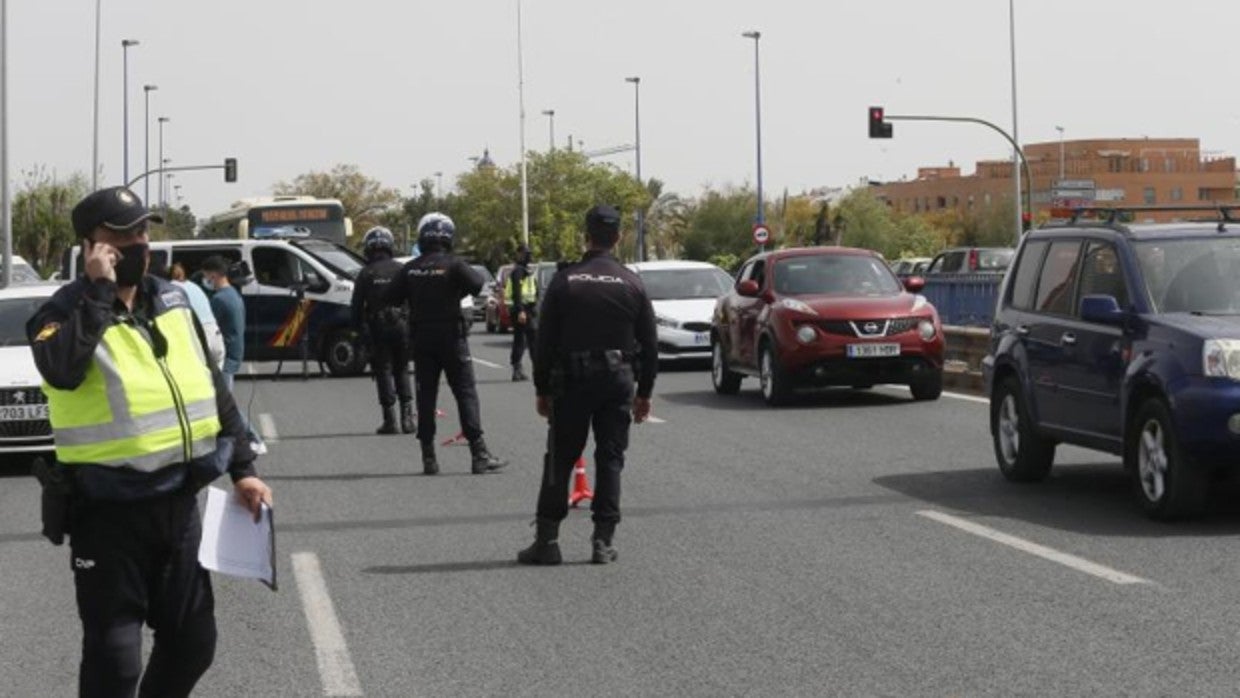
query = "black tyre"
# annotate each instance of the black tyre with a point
(1023, 454)
(775, 384)
(928, 388)
(1166, 482)
(726, 382)
(342, 355)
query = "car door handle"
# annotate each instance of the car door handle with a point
(1068, 339)
(1022, 330)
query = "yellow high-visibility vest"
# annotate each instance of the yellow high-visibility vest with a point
(528, 291)
(136, 409)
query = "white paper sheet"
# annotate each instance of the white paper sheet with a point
(232, 543)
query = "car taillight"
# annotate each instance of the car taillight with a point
(972, 260)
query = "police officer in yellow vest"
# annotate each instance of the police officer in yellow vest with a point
(142, 420)
(522, 294)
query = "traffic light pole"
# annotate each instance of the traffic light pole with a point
(183, 168)
(970, 120)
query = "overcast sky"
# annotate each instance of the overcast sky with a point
(405, 88)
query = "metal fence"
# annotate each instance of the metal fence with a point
(965, 300)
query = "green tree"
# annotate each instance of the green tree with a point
(720, 225)
(365, 199)
(178, 224)
(42, 227)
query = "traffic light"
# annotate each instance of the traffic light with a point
(878, 127)
(230, 169)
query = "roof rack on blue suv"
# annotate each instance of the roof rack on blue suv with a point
(1123, 339)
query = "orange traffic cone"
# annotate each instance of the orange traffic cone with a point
(581, 485)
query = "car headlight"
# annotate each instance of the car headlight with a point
(799, 306)
(666, 322)
(925, 328)
(806, 334)
(1220, 358)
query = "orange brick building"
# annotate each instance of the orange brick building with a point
(1125, 171)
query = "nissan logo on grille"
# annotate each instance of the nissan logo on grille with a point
(871, 327)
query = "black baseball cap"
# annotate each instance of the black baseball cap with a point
(114, 208)
(603, 219)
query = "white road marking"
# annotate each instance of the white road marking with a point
(267, 427)
(955, 396)
(335, 667)
(484, 362)
(1077, 563)
(655, 420)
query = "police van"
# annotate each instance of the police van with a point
(297, 294)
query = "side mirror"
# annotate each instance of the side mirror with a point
(1101, 310)
(914, 284)
(748, 288)
(314, 282)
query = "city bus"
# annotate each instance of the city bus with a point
(281, 217)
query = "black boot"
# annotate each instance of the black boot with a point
(430, 464)
(407, 424)
(601, 540)
(546, 547)
(518, 374)
(483, 461)
(389, 421)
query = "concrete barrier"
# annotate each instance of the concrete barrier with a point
(962, 365)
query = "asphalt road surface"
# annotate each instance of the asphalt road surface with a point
(857, 543)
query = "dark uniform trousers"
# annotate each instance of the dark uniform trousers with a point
(522, 335)
(441, 348)
(390, 361)
(602, 398)
(135, 563)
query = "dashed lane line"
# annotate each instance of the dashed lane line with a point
(484, 362)
(1079, 564)
(655, 420)
(267, 427)
(954, 396)
(330, 651)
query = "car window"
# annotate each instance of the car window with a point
(759, 272)
(1057, 282)
(1101, 273)
(14, 312)
(1192, 275)
(953, 262)
(936, 265)
(994, 260)
(337, 258)
(1027, 274)
(276, 267)
(191, 259)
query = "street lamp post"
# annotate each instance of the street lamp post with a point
(94, 151)
(637, 147)
(125, 44)
(162, 120)
(1061, 153)
(6, 209)
(438, 187)
(146, 139)
(1016, 157)
(550, 114)
(757, 101)
(176, 188)
(525, 187)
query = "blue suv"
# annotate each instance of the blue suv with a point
(1124, 339)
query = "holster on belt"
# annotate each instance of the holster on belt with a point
(56, 501)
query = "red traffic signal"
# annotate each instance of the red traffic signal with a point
(878, 127)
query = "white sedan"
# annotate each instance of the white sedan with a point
(24, 424)
(683, 295)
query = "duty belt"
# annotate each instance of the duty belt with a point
(580, 363)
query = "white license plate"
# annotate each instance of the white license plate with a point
(871, 351)
(701, 338)
(23, 413)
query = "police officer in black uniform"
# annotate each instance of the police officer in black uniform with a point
(111, 346)
(597, 329)
(432, 286)
(386, 329)
(522, 310)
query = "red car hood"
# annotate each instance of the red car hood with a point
(865, 308)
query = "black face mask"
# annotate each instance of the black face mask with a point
(132, 264)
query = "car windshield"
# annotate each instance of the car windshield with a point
(339, 259)
(840, 275)
(682, 284)
(14, 312)
(23, 273)
(1194, 275)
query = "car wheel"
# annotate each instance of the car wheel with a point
(1167, 483)
(726, 382)
(929, 388)
(1023, 454)
(774, 382)
(342, 354)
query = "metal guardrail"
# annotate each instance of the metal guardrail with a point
(964, 300)
(962, 360)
